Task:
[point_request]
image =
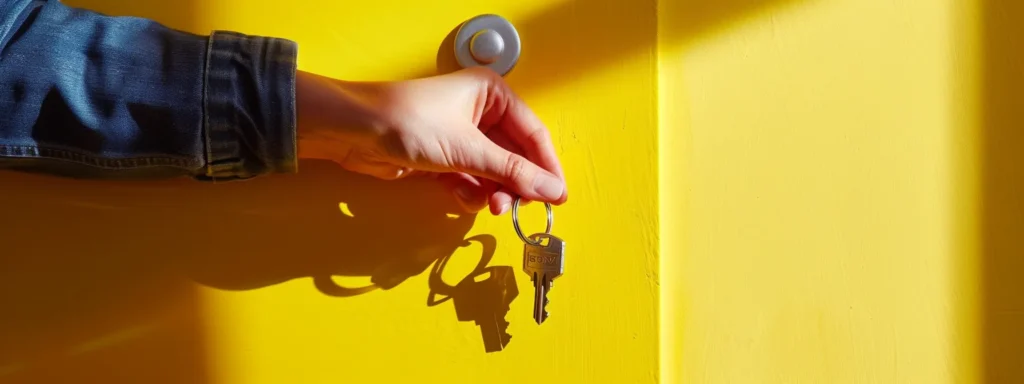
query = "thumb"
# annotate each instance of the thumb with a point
(514, 171)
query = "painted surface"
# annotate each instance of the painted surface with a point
(183, 282)
(843, 196)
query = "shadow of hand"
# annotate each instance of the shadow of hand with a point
(319, 223)
(83, 259)
(323, 222)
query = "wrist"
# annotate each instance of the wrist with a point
(332, 115)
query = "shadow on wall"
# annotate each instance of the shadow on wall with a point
(97, 280)
(571, 40)
(694, 19)
(590, 36)
(482, 297)
(1002, 219)
(82, 296)
(101, 275)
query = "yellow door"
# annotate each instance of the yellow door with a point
(326, 277)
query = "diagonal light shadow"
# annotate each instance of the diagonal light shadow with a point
(691, 21)
(572, 40)
(1002, 192)
(67, 316)
(126, 319)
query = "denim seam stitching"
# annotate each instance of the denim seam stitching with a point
(45, 152)
(206, 107)
(293, 68)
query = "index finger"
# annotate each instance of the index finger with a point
(527, 131)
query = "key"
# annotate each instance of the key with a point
(543, 260)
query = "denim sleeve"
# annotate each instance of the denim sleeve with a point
(88, 95)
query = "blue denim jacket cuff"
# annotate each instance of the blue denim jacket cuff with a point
(249, 106)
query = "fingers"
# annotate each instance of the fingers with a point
(507, 152)
(501, 199)
(474, 193)
(471, 193)
(516, 128)
(529, 133)
(514, 171)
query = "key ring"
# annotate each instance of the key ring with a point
(515, 222)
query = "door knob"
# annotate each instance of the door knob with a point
(488, 40)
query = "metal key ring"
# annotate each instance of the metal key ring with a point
(515, 221)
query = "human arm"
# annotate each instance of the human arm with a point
(88, 95)
(467, 128)
(83, 94)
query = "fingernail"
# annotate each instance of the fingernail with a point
(504, 208)
(548, 187)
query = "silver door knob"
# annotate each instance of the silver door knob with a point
(488, 40)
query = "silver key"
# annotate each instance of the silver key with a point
(543, 260)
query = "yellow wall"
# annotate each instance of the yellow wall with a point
(843, 200)
(840, 193)
(181, 282)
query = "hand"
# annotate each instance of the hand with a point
(467, 128)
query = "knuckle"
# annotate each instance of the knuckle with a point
(451, 156)
(515, 167)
